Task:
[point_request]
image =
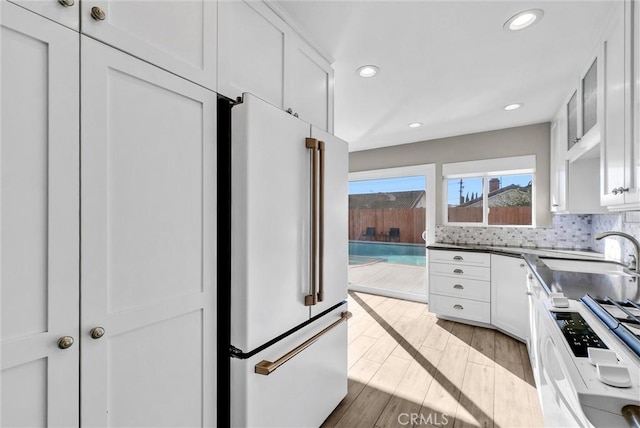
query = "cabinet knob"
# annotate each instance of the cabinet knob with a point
(555, 205)
(614, 191)
(458, 287)
(458, 307)
(623, 189)
(289, 110)
(65, 342)
(66, 3)
(458, 271)
(96, 332)
(458, 258)
(97, 13)
(529, 293)
(521, 265)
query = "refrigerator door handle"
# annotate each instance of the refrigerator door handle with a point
(312, 143)
(265, 367)
(321, 149)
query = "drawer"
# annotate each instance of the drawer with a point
(460, 271)
(460, 287)
(471, 310)
(460, 257)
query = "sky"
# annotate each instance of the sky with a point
(387, 185)
(471, 185)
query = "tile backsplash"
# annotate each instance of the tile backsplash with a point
(575, 232)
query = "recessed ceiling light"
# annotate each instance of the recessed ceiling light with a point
(415, 125)
(514, 106)
(368, 70)
(523, 19)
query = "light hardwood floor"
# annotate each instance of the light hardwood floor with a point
(405, 363)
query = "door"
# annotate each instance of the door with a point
(148, 244)
(65, 12)
(310, 84)
(39, 228)
(176, 35)
(251, 51)
(335, 248)
(270, 212)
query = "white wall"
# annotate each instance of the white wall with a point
(524, 140)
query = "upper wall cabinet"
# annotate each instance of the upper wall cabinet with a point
(310, 91)
(65, 12)
(572, 183)
(584, 110)
(620, 156)
(261, 54)
(179, 36)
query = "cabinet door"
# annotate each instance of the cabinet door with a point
(613, 147)
(335, 220)
(177, 35)
(40, 223)
(572, 120)
(558, 162)
(509, 304)
(148, 244)
(251, 49)
(310, 85)
(65, 12)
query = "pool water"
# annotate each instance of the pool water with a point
(370, 252)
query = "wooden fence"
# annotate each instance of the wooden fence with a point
(411, 223)
(497, 215)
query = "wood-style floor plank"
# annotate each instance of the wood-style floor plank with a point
(406, 363)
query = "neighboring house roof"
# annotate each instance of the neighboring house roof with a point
(497, 195)
(388, 200)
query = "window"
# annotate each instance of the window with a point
(493, 192)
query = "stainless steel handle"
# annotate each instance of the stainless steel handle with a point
(458, 258)
(458, 287)
(65, 342)
(96, 332)
(321, 149)
(458, 307)
(458, 271)
(98, 14)
(312, 143)
(623, 189)
(66, 3)
(631, 414)
(265, 367)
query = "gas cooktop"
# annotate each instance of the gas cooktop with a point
(621, 317)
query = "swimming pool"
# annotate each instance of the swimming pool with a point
(405, 254)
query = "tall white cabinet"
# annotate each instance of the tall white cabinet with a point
(39, 232)
(108, 235)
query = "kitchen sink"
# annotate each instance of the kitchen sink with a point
(585, 266)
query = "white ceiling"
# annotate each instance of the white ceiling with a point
(447, 64)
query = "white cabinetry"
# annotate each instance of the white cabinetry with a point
(620, 155)
(509, 295)
(572, 184)
(148, 243)
(178, 36)
(65, 12)
(40, 222)
(261, 54)
(584, 109)
(141, 313)
(459, 285)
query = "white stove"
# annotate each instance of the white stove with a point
(574, 387)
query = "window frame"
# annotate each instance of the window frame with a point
(487, 169)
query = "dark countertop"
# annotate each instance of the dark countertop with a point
(520, 251)
(574, 285)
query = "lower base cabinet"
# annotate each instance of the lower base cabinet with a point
(481, 289)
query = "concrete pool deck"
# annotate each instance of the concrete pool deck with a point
(388, 276)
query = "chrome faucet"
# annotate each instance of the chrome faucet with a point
(633, 264)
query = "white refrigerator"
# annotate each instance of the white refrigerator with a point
(288, 269)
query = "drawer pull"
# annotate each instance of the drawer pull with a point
(458, 287)
(458, 258)
(458, 307)
(458, 271)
